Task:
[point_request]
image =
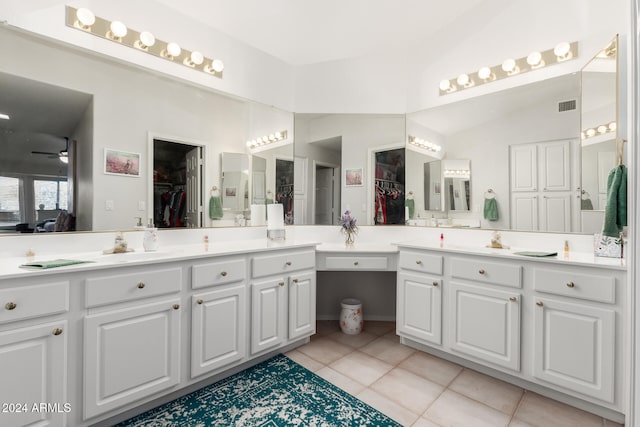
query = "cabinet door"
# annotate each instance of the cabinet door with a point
(524, 211)
(419, 307)
(524, 167)
(555, 212)
(268, 314)
(486, 324)
(218, 329)
(130, 354)
(33, 368)
(574, 347)
(302, 305)
(555, 166)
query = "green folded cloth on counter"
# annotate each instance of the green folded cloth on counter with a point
(41, 265)
(536, 254)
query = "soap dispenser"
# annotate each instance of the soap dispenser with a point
(150, 238)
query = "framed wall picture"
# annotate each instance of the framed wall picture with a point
(353, 177)
(121, 163)
(230, 192)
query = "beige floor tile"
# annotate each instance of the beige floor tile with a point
(361, 367)
(455, 410)
(432, 368)
(354, 341)
(327, 327)
(409, 390)
(423, 422)
(345, 383)
(304, 360)
(379, 328)
(388, 407)
(388, 351)
(492, 392)
(325, 350)
(392, 336)
(517, 423)
(540, 411)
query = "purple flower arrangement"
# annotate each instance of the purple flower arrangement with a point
(348, 223)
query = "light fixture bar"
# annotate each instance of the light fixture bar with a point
(83, 20)
(424, 144)
(511, 67)
(598, 130)
(267, 139)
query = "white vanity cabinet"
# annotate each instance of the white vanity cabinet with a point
(283, 298)
(33, 354)
(419, 296)
(131, 350)
(218, 315)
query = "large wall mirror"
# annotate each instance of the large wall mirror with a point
(335, 164)
(117, 119)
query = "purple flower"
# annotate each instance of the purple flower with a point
(348, 224)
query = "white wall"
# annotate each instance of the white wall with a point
(83, 135)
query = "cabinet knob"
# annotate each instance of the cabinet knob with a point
(288, 262)
(176, 306)
(10, 305)
(355, 263)
(435, 283)
(223, 274)
(140, 285)
(281, 283)
(200, 301)
(539, 303)
(570, 284)
(513, 299)
(295, 280)
(57, 331)
(418, 262)
(481, 271)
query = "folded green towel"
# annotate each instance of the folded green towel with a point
(215, 207)
(410, 203)
(41, 265)
(491, 209)
(615, 212)
(536, 254)
(268, 201)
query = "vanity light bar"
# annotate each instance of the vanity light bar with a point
(598, 130)
(423, 143)
(457, 173)
(267, 139)
(84, 20)
(562, 52)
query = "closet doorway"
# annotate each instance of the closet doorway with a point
(389, 189)
(326, 178)
(284, 188)
(178, 168)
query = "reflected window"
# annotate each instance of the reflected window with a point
(50, 194)
(9, 201)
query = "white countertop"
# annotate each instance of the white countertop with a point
(372, 247)
(575, 258)
(10, 267)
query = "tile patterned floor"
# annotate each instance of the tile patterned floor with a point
(420, 390)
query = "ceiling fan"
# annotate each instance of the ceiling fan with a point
(63, 155)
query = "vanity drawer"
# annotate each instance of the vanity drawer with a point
(577, 285)
(495, 273)
(268, 265)
(422, 262)
(218, 273)
(33, 301)
(126, 287)
(356, 263)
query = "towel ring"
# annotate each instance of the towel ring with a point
(489, 194)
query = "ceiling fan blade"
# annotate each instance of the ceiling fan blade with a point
(45, 152)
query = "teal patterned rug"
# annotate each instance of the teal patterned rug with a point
(277, 392)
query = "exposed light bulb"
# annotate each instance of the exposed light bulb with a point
(445, 85)
(602, 129)
(484, 73)
(217, 65)
(4, 116)
(118, 29)
(147, 40)
(278, 135)
(591, 132)
(534, 59)
(174, 49)
(196, 58)
(85, 17)
(562, 50)
(582, 135)
(463, 79)
(509, 66)
(613, 126)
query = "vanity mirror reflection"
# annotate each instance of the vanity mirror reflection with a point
(123, 108)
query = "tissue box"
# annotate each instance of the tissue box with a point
(606, 246)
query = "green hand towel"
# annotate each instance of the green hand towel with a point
(410, 203)
(536, 254)
(491, 209)
(615, 212)
(41, 265)
(215, 207)
(268, 201)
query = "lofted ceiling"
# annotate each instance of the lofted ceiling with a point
(302, 32)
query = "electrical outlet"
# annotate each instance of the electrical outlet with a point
(108, 205)
(142, 205)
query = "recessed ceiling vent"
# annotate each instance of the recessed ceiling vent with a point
(566, 105)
